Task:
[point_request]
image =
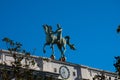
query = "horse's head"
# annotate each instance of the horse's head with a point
(45, 27)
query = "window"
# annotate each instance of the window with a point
(73, 73)
(109, 78)
(55, 70)
(93, 78)
(0, 55)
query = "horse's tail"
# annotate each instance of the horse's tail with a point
(68, 43)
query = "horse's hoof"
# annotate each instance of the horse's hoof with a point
(52, 57)
(63, 59)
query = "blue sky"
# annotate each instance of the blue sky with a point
(91, 24)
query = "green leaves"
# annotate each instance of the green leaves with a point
(117, 64)
(15, 49)
(118, 29)
(12, 45)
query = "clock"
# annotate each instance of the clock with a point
(64, 72)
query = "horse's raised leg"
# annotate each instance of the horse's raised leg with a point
(44, 47)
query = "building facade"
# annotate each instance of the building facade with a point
(48, 69)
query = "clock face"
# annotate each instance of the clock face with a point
(64, 72)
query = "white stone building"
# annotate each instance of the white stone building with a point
(60, 70)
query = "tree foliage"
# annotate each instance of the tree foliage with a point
(117, 58)
(117, 65)
(16, 70)
(118, 29)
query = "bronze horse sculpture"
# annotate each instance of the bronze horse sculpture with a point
(51, 39)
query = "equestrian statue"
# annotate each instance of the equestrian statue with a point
(55, 37)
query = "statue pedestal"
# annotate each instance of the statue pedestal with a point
(63, 59)
(52, 57)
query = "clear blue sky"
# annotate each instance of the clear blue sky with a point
(91, 24)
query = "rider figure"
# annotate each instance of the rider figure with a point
(59, 33)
